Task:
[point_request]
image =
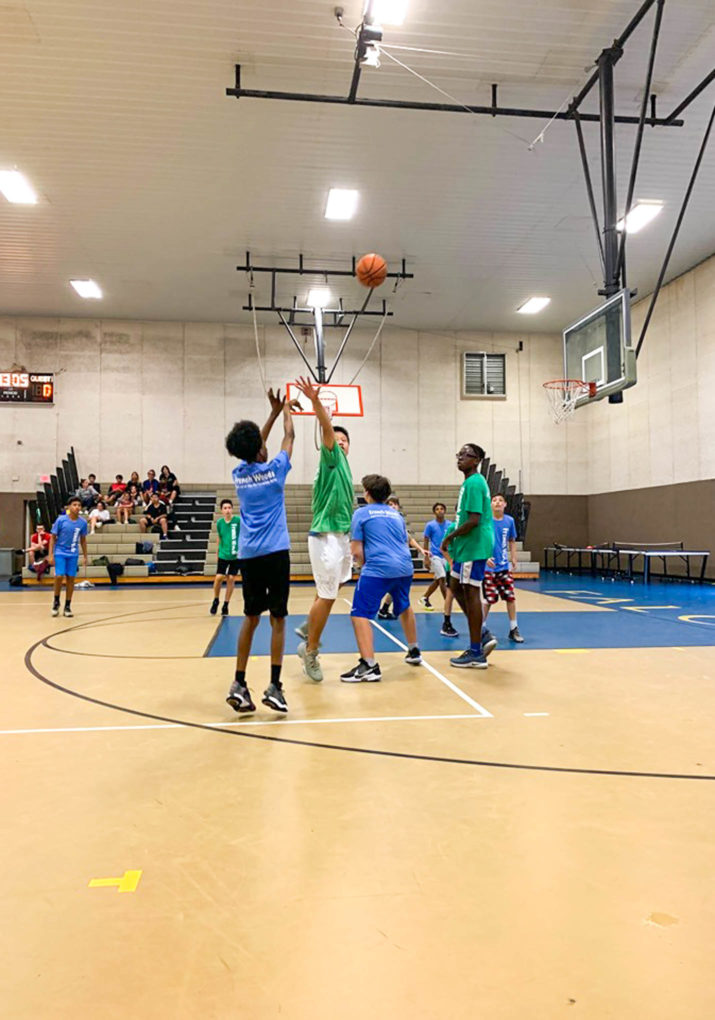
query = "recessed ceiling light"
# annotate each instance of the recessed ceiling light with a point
(389, 12)
(319, 297)
(16, 188)
(86, 288)
(341, 205)
(533, 305)
(641, 214)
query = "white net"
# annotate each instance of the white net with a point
(562, 395)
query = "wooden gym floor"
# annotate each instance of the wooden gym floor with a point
(531, 842)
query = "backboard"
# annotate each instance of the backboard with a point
(597, 348)
(340, 401)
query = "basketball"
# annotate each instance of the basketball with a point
(371, 270)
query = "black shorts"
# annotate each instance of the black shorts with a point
(227, 567)
(266, 584)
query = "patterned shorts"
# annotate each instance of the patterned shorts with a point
(498, 584)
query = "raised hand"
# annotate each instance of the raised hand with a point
(276, 401)
(308, 389)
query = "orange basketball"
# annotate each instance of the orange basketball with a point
(371, 270)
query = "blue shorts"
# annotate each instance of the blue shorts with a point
(66, 564)
(469, 573)
(370, 591)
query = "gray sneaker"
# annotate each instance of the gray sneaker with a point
(302, 632)
(311, 666)
(273, 697)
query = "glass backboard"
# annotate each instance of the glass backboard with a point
(597, 348)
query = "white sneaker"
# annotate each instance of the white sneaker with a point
(311, 666)
(426, 605)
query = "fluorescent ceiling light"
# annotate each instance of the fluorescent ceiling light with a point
(641, 214)
(86, 288)
(389, 12)
(319, 297)
(533, 305)
(16, 188)
(341, 205)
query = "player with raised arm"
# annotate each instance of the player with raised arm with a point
(470, 545)
(498, 581)
(329, 535)
(68, 536)
(263, 546)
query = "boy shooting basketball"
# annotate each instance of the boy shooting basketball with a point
(498, 582)
(328, 538)
(470, 545)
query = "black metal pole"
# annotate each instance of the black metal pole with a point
(589, 188)
(673, 239)
(693, 95)
(297, 345)
(319, 343)
(608, 172)
(345, 339)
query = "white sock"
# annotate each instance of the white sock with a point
(371, 662)
(512, 624)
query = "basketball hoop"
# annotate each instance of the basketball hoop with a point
(563, 395)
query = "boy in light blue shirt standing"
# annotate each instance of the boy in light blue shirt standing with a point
(68, 536)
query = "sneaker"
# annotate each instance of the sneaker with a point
(67, 611)
(386, 614)
(426, 604)
(273, 697)
(448, 630)
(214, 607)
(311, 666)
(239, 698)
(469, 660)
(224, 609)
(302, 631)
(489, 642)
(515, 636)
(55, 609)
(362, 673)
(414, 657)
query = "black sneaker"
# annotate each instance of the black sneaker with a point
(489, 642)
(362, 673)
(224, 609)
(67, 611)
(56, 608)
(214, 607)
(448, 630)
(386, 614)
(515, 636)
(414, 657)
(239, 698)
(273, 697)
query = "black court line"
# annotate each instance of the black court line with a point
(376, 752)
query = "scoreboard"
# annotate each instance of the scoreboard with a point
(27, 388)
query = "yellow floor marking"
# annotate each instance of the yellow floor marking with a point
(127, 883)
(647, 609)
(698, 616)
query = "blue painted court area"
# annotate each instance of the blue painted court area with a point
(662, 615)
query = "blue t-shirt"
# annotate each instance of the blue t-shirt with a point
(504, 531)
(434, 531)
(261, 492)
(383, 533)
(68, 534)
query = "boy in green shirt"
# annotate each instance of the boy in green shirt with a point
(329, 535)
(470, 545)
(228, 527)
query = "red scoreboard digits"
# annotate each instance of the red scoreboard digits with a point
(27, 388)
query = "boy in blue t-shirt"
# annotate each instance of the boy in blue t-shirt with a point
(263, 546)
(68, 536)
(498, 581)
(379, 544)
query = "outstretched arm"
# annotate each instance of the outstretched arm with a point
(277, 403)
(288, 431)
(312, 392)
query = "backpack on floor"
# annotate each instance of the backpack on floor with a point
(130, 561)
(144, 547)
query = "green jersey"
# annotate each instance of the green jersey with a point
(478, 544)
(333, 495)
(228, 537)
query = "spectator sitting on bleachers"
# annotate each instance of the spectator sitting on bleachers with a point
(169, 488)
(125, 506)
(86, 494)
(150, 484)
(134, 479)
(92, 479)
(134, 490)
(99, 516)
(38, 550)
(116, 489)
(155, 516)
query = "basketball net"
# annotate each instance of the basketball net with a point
(563, 395)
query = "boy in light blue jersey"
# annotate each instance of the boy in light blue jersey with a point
(263, 546)
(498, 581)
(379, 544)
(68, 536)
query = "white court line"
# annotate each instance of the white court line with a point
(533, 714)
(443, 679)
(244, 722)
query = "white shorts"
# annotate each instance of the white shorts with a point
(439, 569)
(330, 561)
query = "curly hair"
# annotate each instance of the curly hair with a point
(244, 441)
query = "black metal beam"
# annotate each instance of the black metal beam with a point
(304, 270)
(292, 312)
(399, 104)
(693, 95)
(589, 187)
(606, 63)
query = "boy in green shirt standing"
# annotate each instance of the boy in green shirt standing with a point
(228, 527)
(470, 545)
(329, 536)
